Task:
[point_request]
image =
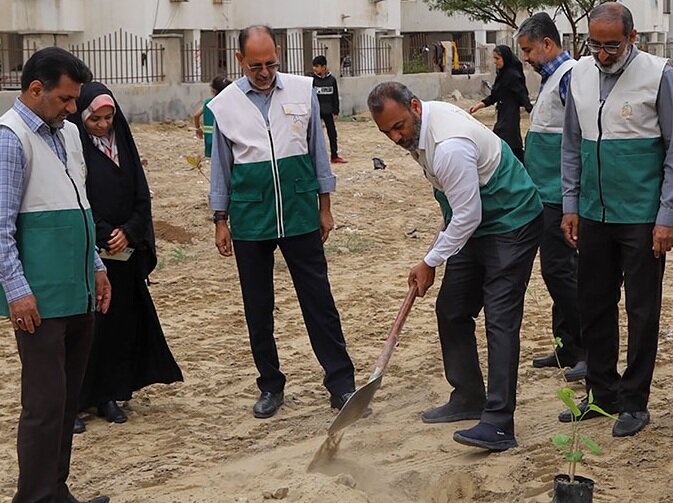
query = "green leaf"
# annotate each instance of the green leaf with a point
(574, 457)
(561, 440)
(596, 408)
(591, 396)
(566, 396)
(593, 446)
(558, 342)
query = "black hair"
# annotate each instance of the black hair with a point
(219, 83)
(49, 64)
(320, 61)
(245, 33)
(613, 12)
(395, 91)
(538, 27)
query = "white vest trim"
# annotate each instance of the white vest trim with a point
(630, 111)
(289, 113)
(448, 121)
(47, 186)
(548, 113)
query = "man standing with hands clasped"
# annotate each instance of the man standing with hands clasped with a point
(540, 44)
(618, 208)
(271, 178)
(51, 276)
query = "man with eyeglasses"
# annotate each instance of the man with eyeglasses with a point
(617, 171)
(271, 178)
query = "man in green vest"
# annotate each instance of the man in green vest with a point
(271, 180)
(617, 169)
(51, 276)
(540, 45)
(492, 227)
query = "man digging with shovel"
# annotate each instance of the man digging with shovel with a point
(493, 217)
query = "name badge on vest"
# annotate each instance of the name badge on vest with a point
(299, 113)
(627, 110)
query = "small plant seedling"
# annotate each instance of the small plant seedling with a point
(196, 163)
(572, 445)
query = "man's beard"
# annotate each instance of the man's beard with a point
(617, 65)
(536, 66)
(411, 143)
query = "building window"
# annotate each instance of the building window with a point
(667, 6)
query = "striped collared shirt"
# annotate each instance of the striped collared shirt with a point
(550, 67)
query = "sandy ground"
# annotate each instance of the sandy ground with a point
(198, 442)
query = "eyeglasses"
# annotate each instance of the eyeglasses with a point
(610, 48)
(258, 68)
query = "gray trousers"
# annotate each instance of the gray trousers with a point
(490, 272)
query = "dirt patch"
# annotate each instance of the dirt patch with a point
(172, 233)
(198, 442)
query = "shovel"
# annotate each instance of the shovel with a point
(357, 404)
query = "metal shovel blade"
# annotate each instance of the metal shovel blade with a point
(356, 405)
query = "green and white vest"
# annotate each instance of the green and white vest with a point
(274, 188)
(55, 233)
(509, 199)
(622, 150)
(543, 141)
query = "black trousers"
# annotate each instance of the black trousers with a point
(558, 262)
(53, 361)
(328, 119)
(306, 262)
(609, 255)
(490, 272)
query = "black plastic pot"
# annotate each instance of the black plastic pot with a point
(580, 491)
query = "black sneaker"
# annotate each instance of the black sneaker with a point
(567, 416)
(486, 436)
(578, 372)
(451, 412)
(630, 423)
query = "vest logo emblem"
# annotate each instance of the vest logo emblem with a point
(627, 110)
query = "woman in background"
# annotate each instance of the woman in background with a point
(129, 350)
(509, 92)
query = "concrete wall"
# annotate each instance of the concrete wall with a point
(416, 16)
(384, 14)
(42, 15)
(145, 102)
(353, 91)
(88, 19)
(149, 103)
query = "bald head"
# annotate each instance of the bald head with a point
(612, 13)
(255, 33)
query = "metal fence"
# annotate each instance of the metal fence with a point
(203, 61)
(14, 51)
(364, 55)
(120, 57)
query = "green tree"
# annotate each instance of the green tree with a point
(507, 12)
(576, 11)
(490, 11)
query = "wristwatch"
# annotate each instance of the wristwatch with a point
(220, 216)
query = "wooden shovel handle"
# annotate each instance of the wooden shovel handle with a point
(393, 336)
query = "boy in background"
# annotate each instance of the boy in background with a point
(206, 132)
(326, 88)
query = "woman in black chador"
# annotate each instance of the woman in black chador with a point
(129, 349)
(510, 93)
